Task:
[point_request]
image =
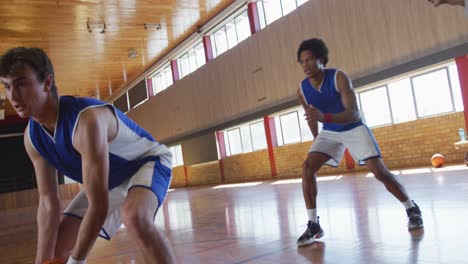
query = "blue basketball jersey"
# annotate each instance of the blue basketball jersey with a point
(131, 149)
(327, 99)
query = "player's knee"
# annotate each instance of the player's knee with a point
(310, 165)
(135, 221)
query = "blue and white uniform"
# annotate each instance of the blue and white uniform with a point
(135, 158)
(335, 138)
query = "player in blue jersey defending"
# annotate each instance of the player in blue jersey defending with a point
(328, 97)
(125, 173)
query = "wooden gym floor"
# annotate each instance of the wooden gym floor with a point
(259, 223)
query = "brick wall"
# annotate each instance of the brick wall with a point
(289, 160)
(413, 143)
(205, 173)
(247, 167)
(403, 145)
(178, 177)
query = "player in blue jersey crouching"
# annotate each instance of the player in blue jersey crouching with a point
(125, 173)
(328, 97)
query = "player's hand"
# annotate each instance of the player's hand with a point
(313, 114)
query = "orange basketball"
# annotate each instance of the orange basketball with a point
(437, 160)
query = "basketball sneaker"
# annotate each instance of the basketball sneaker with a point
(313, 232)
(414, 217)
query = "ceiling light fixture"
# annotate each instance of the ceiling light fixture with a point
(132, 53)
(99, 25)
(152, 26)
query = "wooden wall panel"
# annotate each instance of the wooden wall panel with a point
(364, 37)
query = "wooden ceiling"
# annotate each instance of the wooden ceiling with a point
(89, 63)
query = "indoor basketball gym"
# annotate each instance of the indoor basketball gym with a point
(216, 82)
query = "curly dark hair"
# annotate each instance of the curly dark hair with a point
(17, 58)
(316, 46)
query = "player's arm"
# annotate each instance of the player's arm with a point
(348, 97)
(91, 141)
(311, 122)
(48, 213)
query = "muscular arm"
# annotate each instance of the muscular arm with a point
(348, 98)
(91, 141)
(48, 213)
(312, 123)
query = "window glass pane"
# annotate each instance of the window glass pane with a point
(300, 2)
(401, 99)
(163, 82)
(261, 14)
(246, 140)
(168, 73)
(258, 136)
(456, 90)
(272, 10)
(305, 129)
(375, 107)
(180, 159)
(235, 141)
(200, 55)
(290, 128)
(231, 34)
(180, 67)
(213, 46)
(432, 93)
(288, 6)
(242, 26)
(155, 80)
(174, 156)
(226, 143)
(279, 135)
(192, 61)
(221, 41)
(185, 69)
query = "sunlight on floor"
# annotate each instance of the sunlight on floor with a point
(235, 185)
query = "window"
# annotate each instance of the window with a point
(258, 136)
(231, 34)
(432, 93)
(191, 61)
(416, 96)
(177, 158)
(375, 107)
(242, 26)
(228, 36)
(291, 131)
(235, 142)
(200, 55)
(245, 138)
(306, 134)
(402, 101)
(456, 90)
(122, 103)
(271, 10)
(292, 127)
(288, 6)
(162, 80)
(220, 40)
